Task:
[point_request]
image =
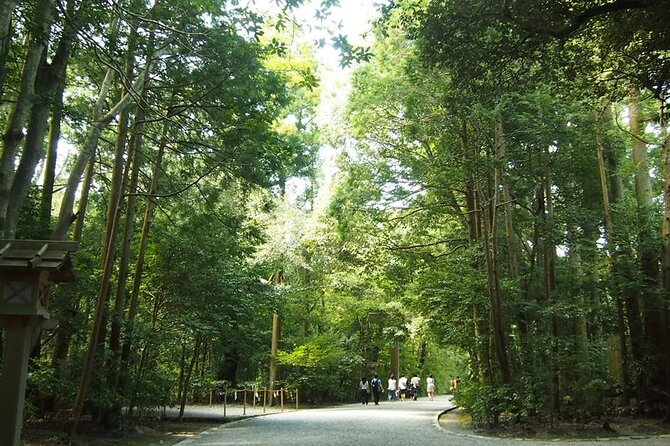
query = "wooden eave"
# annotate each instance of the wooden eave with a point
(38, 255)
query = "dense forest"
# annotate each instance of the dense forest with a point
(500, 208)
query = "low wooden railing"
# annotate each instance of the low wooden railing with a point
(251, 397)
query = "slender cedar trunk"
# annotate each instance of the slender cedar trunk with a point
(88, 150)
(124, 260)
(665, 255)
(120, 295)
(497, 317)
(512, 249)
(394, 355)
(108, 254)
(32, 154)
(6, 14)
(99, 123)
(278, 279)
(186, 382)
(144, 356)
(83, 200)
(274, 364)
(537, 359)
(609, 230)
(549, 264)
(139, 267)
(182, 371)
(623, 264)
(653, 309)
(13, 133)
(481, 359)
(480, 324)
(510, 237)
(579, 320)
(49, 86)
(51, 158)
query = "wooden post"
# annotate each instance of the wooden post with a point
(276, 327)
(211, 397)
(255, 392)
(297, 397)
(395, 360)
(265, 395)
(281, 398)
(225, 401)
(244, 411)
(18, 343)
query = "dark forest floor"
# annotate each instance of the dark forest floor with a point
(612, 427)
(147, 433)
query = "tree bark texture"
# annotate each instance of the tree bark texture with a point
(7, 8)
(139, 267)
(490, 225)
(609, 231)
(653, 309)
(13, 133)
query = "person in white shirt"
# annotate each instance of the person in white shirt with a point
(393, 388)
(416, 385)
(430, 387)
(364, 385)
(402, 385)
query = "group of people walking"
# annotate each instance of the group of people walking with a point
(397, 388)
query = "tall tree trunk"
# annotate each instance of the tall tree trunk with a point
(665, 255)
(99, 123)
(13, 134)
(108, 254)
(32, 154)
(609, 230)
(474, 217)
(83, 200)
(139, 267)
(510, 236)
(124, 260)
(579, 319)
(49, 85)
(46, 201)
(549, 254)
(497, 316)
(186, 381)
(652, 309)
(274, 365)
(6, 14)
(133, 162)
(501, 151)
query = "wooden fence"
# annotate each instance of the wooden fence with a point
(252, 397)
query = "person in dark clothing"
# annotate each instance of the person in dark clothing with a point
(377, 389)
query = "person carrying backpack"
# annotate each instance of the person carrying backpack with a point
(377, 389)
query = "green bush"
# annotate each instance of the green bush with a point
(489, 405)
(321, 368)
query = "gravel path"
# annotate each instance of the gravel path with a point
(389, 424)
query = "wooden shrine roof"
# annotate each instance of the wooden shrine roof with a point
(38, 255)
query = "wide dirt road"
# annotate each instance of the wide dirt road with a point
(389, 424)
